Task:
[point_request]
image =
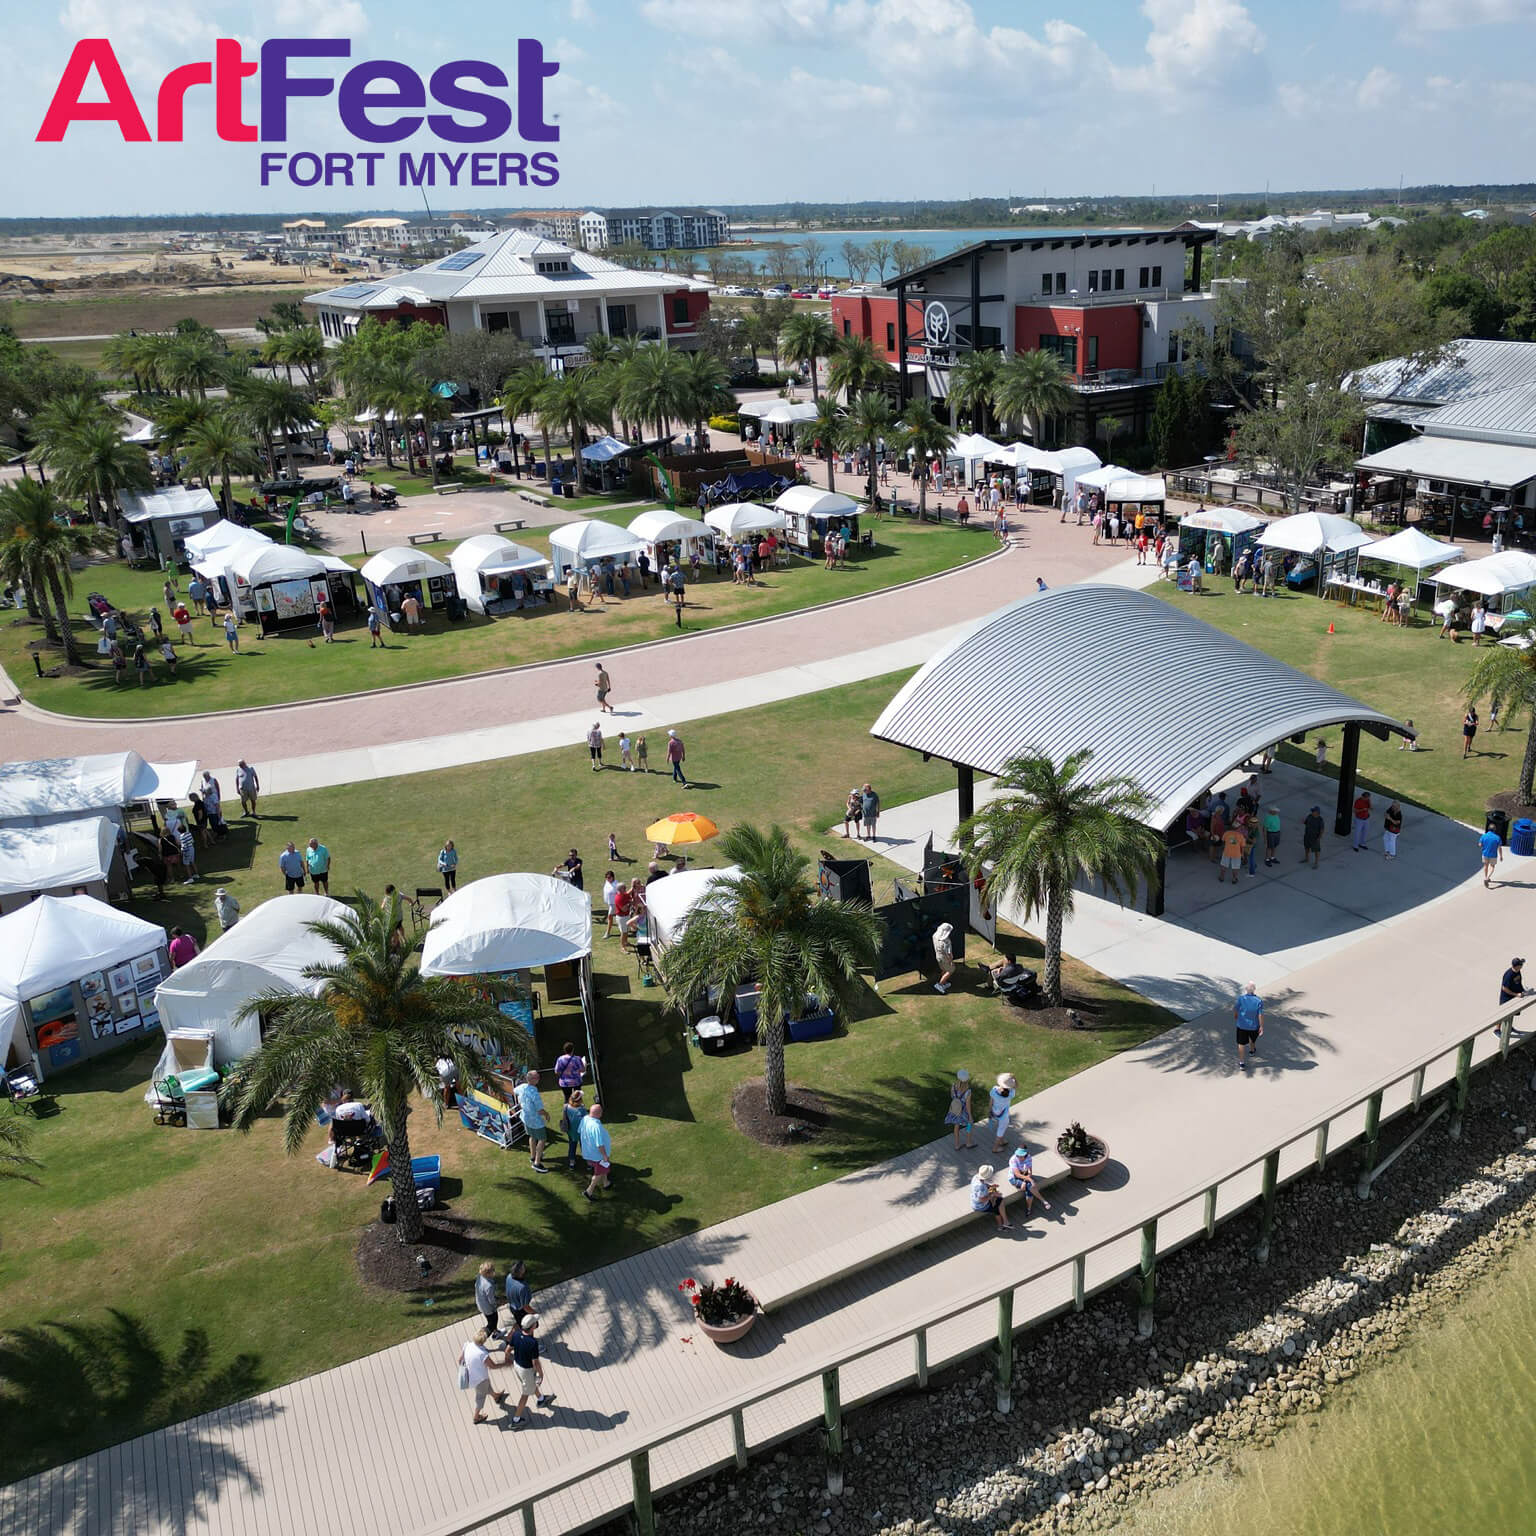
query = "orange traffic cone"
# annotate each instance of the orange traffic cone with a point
(1330, 629)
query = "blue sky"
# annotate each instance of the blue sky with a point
(699, 101)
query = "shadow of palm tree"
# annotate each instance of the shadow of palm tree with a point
(1205, 1044)
(68, 1386)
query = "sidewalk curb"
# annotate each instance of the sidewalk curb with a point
(37, 712)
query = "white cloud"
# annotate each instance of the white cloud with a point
(319, 18)
(581, 10)
(1451, 15)
(1378, 88)
(724, 18)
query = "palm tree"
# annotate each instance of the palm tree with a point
(653, 387)
(1046, 827)
(707, 387)
(576, 400)
(377, 1026)
(37, 544)
(1030, 387)
(420, 401)
(921, 431)
(809, 337)
(131, 355)
(855, 366)
(301, 347)
(195, 362)
(95, 463)
(520, 397)
(869, 419)
(56, 422)
(971, 382)
(830, 427)
(15, 1133)
(271, 406)
(221, 446)
(766, 925)
(1506, 676)
(1111, 427)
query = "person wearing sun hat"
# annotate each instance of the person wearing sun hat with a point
(1001, 1103)
(986, 1197)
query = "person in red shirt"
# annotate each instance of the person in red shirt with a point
(1362, 820)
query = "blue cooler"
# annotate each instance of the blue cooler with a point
(427, 1173)
(1522, 837)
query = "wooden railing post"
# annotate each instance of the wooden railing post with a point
(640, 1480)
(1320, 1147)
(1418, 1089)
(1148, 1278)
(1372, 1144)
(529, 1527)
(1267, 1205)
(1079, 1282)
(920, 1346)
(832, 1429)
(739, 1438)
(1463, 1084)
(1005, 1352)
(1210, 1212)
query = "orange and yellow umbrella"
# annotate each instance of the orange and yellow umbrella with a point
(682, 827)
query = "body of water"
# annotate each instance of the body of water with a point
(939, 241)
(1435, 1441)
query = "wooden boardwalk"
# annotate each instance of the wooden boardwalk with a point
(628, 1367)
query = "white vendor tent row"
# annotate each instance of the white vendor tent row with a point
(395, 565)
(779, 413)
(269, 949)
(221, 536)
(1019, 457)
(1228, 520)
(586, 544)
(243, 563)
(166, 519)
(659, 526)
(1503, 578)
(810, 513)
(736, 518)
(1105, 475)
(507, 923)
(1413, 550)
(56, 789)
(54, 859)
(479, 563)
(668, 902)
(970, 450)
(1068, 465)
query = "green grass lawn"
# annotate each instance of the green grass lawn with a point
(222, 1232)
(1408, 673)
(283, 668)
(104, 314)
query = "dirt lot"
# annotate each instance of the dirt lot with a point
(103, 314)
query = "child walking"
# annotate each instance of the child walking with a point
(640, 757)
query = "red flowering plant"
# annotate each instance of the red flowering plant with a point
(719, 1305)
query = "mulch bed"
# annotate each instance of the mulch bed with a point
(807, 1117)
(1074, 1013)
(383, 1260)
(1512, 805)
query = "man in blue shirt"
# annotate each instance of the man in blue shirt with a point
(596, 1148)
(519, 1292)
(1248, 1011)
(1491, 846)
(530, 1106)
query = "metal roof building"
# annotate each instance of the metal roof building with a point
(1172, 702)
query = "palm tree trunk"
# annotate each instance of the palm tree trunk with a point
(544, 432)
(574, 428)
(1528, 766)
(831, 470)
(1054, 902)
(66, 636)
(34, 611)
(224, 490)
(815, 382)
(771, 1028)
(408, 1224)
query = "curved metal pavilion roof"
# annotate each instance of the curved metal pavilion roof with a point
(1157, 694)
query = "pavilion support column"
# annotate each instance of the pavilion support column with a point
(903, 386)
(1349, 760)
(965, 779)
(1157, 884)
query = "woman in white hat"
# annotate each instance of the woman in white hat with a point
(986, 1197)
(1003, 1091)
(944, 953)
(959, 1113)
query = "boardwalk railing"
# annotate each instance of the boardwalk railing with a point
(1133, 1251)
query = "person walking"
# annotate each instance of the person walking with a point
(1468, 730)
(530, 1109)
(375, 630)
(226, 909)
(527, 1368)
(448, 865)
(642, 760)
(944, 954)
(291, 862)
(610, 895)
(188, 846)
(485, 1299)
(1362, 820)
(1312, 837)
(1000, 1102)
(676, 755)
(476, 1363)
(595, 746)
(317, 861)
(626, 753)
(1248, 1015)
(572, 1113)
(958, 1115)
(869, 809)
(570, 1069)
(603, 685)
(181, 949)
(572, 867)
(1271, 836)
(247, 786)
(232, 631)
(1391, 825)
(519, 1292)
(1512, 982)
(596, 1149)
(1491, 846)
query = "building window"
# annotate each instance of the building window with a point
(847, 327)
(1065, 347)
(1173, 348)
(1157, 277)
(562, 327)
(1119, 278)
(679, 309)
(1093, 282)
(1104, 279)
(1061, 282)
(1045, 282)
(890, 336)
(1145, 274)
(1093, 354)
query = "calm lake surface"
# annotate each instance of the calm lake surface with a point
(1440, 1440)
(940, 241)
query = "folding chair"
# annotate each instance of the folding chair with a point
(424, 893)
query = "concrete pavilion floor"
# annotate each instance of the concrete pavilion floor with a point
(1213, 937)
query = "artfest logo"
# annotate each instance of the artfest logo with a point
(377, 101)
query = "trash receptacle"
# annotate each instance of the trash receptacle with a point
(1522, 837)
(1498, 821)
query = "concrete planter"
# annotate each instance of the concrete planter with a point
(1089, 1167)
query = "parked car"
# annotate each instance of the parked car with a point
(802, 293)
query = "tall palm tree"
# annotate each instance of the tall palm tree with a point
(520, 397)
(196, 362)
(809, 337)
(1045, 827)
(301, 347)
(575, 400)
(57, 421)
(830, 427)
(869, 419)
(37, 544)
(1030, 387)
(767, 925)
(971, 382)
(1506, 676)
(922, 432)
(377, 1026)
(653, 388)
(157, 357)
(95, 463)
(221, 445)
(130, 354)
(271, 406)
(419, 401)
(855, 366)
(707, 387)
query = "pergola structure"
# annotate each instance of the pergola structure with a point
(1158, 695)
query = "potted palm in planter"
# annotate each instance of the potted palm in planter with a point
(1084, 1153)
(724, 1312)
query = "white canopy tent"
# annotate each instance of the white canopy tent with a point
(813, 501)
(736, 518)
(659, 526)
(174, 501)
(1069, 465)
(1311, 533)
(259, 565)
(779, 413)
(1501, 577)
(55, 940)
(1230, 520)
(57, 857)
(668, 902)
(507, 923)
(1021, 457)
(585, 544)
(268, 949)
(604, 450)
(971, 450)
(1137, 490)
(396, 564)
(57, 789)
(1413, 550)
(13, 1036)
(222, 536)
(479, 561)
(1105, 474)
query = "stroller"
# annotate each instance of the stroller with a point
(170, 1102)
(1018, 985)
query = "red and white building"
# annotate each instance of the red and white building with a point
(1109, 303)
